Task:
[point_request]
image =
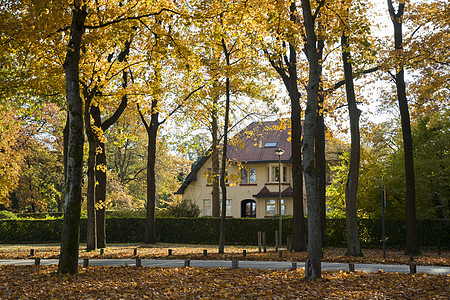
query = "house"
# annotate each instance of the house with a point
(253, 174)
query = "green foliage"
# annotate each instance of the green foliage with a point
(182, 209)
(7, 215)
(432, 233)
(123, 213)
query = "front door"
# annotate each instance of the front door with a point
(248, 208)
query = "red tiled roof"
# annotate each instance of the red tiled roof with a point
(248, 145)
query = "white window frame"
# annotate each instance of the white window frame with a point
(207, 208)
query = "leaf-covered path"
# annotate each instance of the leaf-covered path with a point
(39, 282)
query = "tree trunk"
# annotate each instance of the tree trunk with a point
(215, 163)
(224, 155)
(298, 239)
(91, 232)
(65, 146)
(351, 188)
(100, 195)
(152, 131)
(412, 243)
(314, 269)
(68, 259)
(320, 158)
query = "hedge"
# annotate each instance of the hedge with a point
(432, 233)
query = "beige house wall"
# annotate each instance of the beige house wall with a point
(198, 191)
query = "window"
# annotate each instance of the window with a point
(252, 175)
(275, 174)
(228, 203)
(270, 144)
(270, 207)
(248, 175)
(209, 176)
(207, 207)
(244, 175)
(285, 174)
(283, 207)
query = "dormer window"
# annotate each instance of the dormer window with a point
(270, 144)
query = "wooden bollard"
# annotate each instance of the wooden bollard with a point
(86, 262)
(276, 241)
(135, 251)
(264, 242)
(102, 251)
(244, 253)
(138, 262)
(294, 266)
(37, 261)
(259, 242)
(412, 268)
(205, 252)
(235, 263)
(351, 267)
(187, 263)
(411, 257)
(280, 253)
(31, 252)
(169, 252)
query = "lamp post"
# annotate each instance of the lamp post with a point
(279, 152)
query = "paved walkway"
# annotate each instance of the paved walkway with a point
(435, 270)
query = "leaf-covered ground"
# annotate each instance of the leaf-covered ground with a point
(195, 252)
(41, 282)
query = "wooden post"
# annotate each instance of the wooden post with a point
(411, 257)
(259, 241)
(351, 267)
(244, 253)
(205, 252)
(235, 263)
(169, 252)
(294, 266)
(86, 262)
(138, 262)
(37, 261)
(280, 253)
(276, 240)
(264, 241)
(412, 268)
(135, 251)
(31, 252)
(187, 263)
(102, 250)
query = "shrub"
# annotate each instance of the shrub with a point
(7, 215)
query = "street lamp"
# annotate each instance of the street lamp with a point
(279, 152)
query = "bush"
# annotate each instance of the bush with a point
(183, 209)
(7, 215)
(432, 233)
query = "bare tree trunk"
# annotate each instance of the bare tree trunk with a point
(351, 188)
(224, 155)
(68, 259)
(412, 243)
(91, 232)
(152, 132)
(320, 158)
(100, 195)
(314, 269)
(215, 163)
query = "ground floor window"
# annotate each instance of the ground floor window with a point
(272, 207)
(228, 208)
(207, 207)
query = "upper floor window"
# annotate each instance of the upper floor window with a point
(248, 175)
(274, 173)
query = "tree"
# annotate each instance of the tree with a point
(353, 245)
(412, 243)
(309, 170)
(286, 67)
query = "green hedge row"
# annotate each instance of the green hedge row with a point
(432, 233)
